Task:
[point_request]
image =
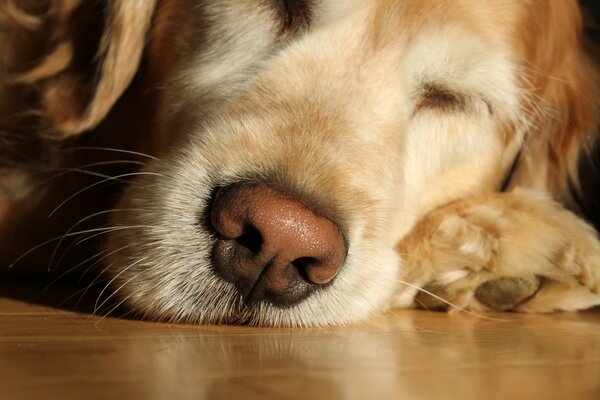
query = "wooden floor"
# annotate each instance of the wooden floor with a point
(52, 352)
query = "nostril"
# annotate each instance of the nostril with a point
(314, 270)
(302, 264)
(230, 223)
(251, 239)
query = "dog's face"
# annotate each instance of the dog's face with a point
(368, 116)
(311, 136)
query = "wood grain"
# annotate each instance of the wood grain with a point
(51, 352)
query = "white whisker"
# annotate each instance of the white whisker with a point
(44, 243)
(96, 280)
(101, 255)
(65, 273)
(80, 222)
(458, 308)
(137, 153)
(112, 309)
(112, 280)
(82, 169)
(99, 183)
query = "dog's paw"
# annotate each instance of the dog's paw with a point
(473, 244)
(573, 281)
(510, 251)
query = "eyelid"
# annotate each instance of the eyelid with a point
(438, 97)
(434, 96)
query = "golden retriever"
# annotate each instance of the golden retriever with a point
(301, 162)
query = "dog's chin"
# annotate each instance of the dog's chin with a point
(159, 259)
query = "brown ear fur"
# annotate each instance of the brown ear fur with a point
(92, 51)
(564, 106)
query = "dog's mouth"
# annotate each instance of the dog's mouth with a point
(271, 246)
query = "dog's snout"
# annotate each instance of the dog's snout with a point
(272, 246)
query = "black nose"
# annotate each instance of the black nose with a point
(271, 246)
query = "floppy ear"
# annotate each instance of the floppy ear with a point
(92, 52)
(563, 106)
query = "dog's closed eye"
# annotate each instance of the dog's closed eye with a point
(432, 96)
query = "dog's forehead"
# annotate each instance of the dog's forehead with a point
(471, 48)
(438, 26)
(408, 16)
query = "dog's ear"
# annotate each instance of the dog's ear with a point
(563, 109)
(91, 50)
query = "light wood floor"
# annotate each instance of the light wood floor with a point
(48, 352)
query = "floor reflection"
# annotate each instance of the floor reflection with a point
(410, 353)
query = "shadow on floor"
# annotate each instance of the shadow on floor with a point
(84, 298)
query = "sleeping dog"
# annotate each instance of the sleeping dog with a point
(301, 162)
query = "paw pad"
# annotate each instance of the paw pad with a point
(504, 294)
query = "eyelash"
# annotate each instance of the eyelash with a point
(432, 96)
(436, 97)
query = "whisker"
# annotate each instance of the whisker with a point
(101, 255)
(137, 153)
(64, 171)
(112, 309)
(82, 221)
(99, 183)
(82, 169)
(108, 230)
(44, 243)
(96, 306)
(458, 308)
(11, 265)
(105, 256)
(95, 281)
(62, 275)
(85, 289)
(112, 229)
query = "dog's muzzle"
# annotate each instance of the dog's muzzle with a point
(271, 246)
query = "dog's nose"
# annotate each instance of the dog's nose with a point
(272, 246)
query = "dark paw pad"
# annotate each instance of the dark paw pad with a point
(502, 294)
(505, 294)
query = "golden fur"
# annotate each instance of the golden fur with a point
(399, 120)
